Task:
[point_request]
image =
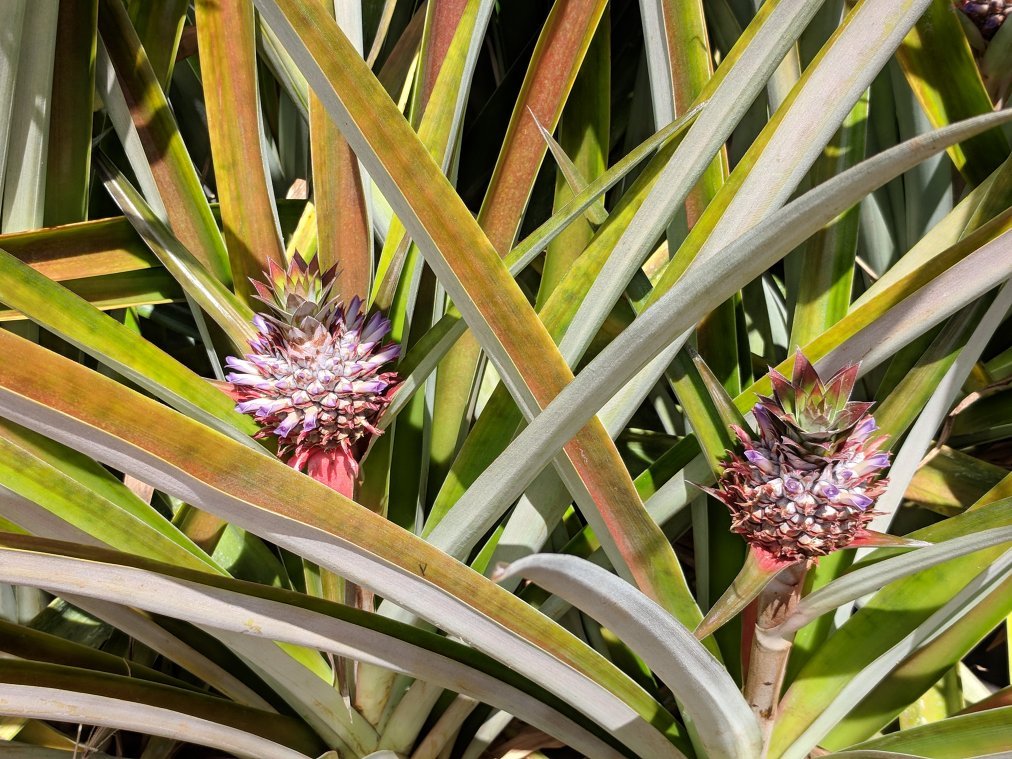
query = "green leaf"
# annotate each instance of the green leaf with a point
(470, 270)
(275, 614)
(883, 622)
(905, 402)
(35, 487)
(826, 276)
(680, 63)
(68, 160)
(863, 580)
(753, 60)
(233, 316)
(708, 408)
(25, 642)
(990, 312)
(12, 18)
(940, 67)
(49, 691)
(166, 159)
(24, 179)
(799, 130)
(82, 325)
(572, 175)
(951, 480)
(706, 693)
(109, 292)
(159, 25)
(584, 132)
(263, 495)
(976, 594)
(558, 54)
(927, 665)
(969, 735)
(225, 34)
(705, 287)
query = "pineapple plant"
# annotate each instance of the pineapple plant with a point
(556, 253)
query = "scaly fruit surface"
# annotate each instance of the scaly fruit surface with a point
(805, 484)
(313, 374)
(987, 16)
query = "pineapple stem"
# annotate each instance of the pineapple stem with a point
(338, 470)
(769, 654)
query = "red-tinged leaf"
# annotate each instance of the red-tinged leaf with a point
(482, 288)
(806, 380)
(437, 128)
(244, 486)
(226, 35)
(124, 290)
(783, 389)
(444, 17)
(64, 315)
(92, 248)
(872, 539)
(996, 700)
(343, 233)
(557, 57)
(760, 568)
(400, 63)
(97, 248)
(839, 388)
(178, 185)
(159, 25)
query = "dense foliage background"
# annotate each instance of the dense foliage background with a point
(664, 199)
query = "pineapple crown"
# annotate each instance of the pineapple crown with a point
(300, 291)
(815, 416)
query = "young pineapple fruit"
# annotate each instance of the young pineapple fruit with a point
(313, 374)
(806, 483)
(987, 16)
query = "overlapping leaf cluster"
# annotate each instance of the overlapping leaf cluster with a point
(608, 242)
